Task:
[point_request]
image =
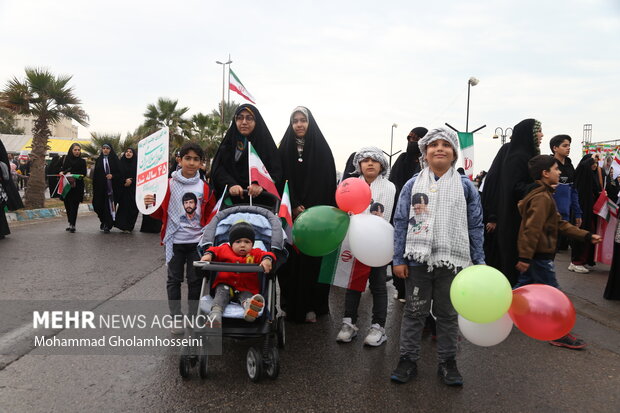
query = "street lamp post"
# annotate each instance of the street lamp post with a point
(394, 125)
(471, 82)
(503, 133)
(223, 83)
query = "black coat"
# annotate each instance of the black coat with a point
(100, 184)
(74, 165)
(514, 183)
(127, 208)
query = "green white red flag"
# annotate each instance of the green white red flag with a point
(63, 186)
(259, 173)
(236, 86)
(466, 141)
(340, 268)
(286, 215)
(217, 206)
(606, 228)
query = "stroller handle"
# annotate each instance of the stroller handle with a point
(227, 266)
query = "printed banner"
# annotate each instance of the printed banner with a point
(608, 156)
(152, 174)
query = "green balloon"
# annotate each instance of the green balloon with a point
(481, 294)
(320, 230)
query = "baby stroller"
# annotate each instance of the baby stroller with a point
(269, 326)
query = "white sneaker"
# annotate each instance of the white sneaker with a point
(348, 331)
(376, 336)
(310, 317)
(578, 268)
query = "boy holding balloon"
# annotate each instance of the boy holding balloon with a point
(433, 240)
(373, 168)
(538, 234)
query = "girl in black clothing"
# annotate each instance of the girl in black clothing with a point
(309, 167)
(588, 188)
(127, 209)
(74, 164)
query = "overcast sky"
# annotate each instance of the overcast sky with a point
(360, 66)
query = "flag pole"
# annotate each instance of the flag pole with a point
(249, 169)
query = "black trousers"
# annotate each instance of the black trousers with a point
(180, 267)
(72, 207)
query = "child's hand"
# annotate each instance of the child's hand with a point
(149, 200)
(206, 257)
(596, 239)
(266, 264)
(522, 266)
(401, 271)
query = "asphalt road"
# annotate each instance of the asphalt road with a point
(40, 261)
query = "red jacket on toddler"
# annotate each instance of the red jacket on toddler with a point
(240, 281)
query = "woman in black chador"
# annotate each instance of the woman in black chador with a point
(309, 167)
(9, 195)
(588, 188)
(127, 209)
(230, 164)
(515, 182)
(53, 168)
(74, 164)
(106, 187)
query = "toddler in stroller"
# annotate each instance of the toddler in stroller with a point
(239, 249)
(253, 282)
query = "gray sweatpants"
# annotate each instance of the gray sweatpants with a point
(421, 287)
(222, 296)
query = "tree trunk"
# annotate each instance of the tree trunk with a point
(35, 191)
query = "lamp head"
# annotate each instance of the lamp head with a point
(394, 125)
(495, 136)
(473, 81)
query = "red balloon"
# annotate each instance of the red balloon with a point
(542, 312)
(353, 195)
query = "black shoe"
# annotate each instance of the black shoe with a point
(72, 229)
(106, 230)
(569, 341)
(68, 228)
(406, 370)
(449, 373)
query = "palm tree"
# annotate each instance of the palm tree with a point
(166, 114)
(7, 123)
(98, 139)
(204, 131)
(229, 112)
(49, 99)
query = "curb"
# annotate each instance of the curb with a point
(29, 214)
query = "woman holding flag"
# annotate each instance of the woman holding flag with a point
(73, 165)
(231, 162)
(309, 168)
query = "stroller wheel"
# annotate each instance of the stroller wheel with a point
(272, 364)
(184, 366)
(281, 332)
(203, 368)
(254, 364)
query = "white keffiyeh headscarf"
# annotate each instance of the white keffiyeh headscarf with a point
(178, 187)
(438, 232)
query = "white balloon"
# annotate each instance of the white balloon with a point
(371, 239)
(488, 334)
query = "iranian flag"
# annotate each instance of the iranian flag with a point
(466, 140)
(259, 173)
(606, 228)
(605, 207)
(285, 214)
(340, 268)
(217, 206)
(236, 86)
(63, 187)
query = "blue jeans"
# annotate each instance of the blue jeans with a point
(540, 272)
